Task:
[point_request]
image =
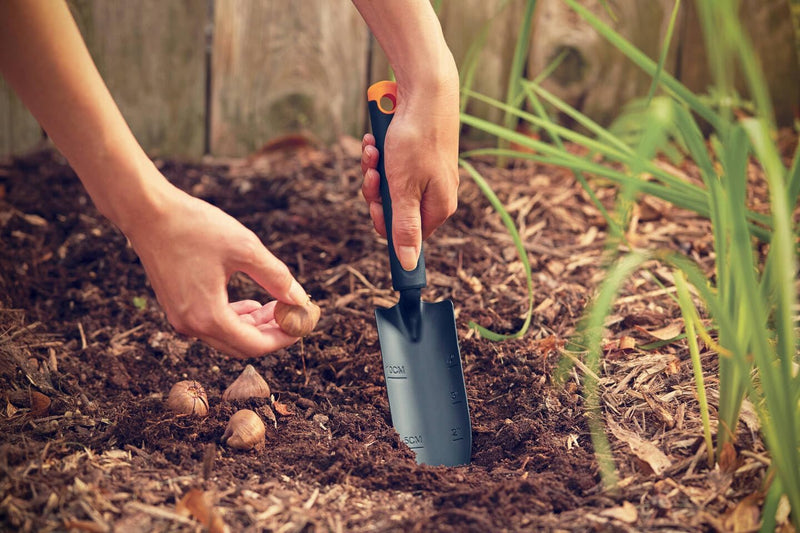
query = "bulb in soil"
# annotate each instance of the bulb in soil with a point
(248, 385)
(245, 430)
(297, 320)
(188, 398)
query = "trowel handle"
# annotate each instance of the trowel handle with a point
(379, 95)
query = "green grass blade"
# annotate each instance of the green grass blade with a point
(793, 180)
(648, 65)
(523, 255)
(591, 126)
(590, 336)
(664, 51)
(614, 229)
(689, 319)
(517, 71)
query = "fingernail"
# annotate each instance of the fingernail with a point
(407, 255)
(297, 294)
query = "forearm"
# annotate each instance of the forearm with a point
(43, 58)
(411, 36)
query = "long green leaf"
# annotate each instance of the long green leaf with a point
(645, 63)
(523, 255)
(664, 51)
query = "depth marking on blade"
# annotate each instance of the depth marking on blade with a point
(456, 434)
(395, 371)
(414, 442)
(451, 360)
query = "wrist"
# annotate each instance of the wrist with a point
(127, 188)
(433, 73)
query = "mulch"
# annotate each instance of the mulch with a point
(87, 358)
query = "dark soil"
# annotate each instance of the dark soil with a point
(80, 325)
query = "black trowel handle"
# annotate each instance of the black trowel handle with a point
(380, 117)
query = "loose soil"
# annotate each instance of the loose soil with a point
(80, 328)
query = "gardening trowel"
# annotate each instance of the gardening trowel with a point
(419, 345)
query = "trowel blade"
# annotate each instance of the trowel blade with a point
(425, 384)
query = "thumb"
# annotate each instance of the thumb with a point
(407, 232)
(274, 276)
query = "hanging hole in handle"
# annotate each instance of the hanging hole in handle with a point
(387, 104)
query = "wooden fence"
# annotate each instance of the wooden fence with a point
(226, 76)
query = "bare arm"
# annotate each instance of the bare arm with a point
(188, 247)
(421, 158)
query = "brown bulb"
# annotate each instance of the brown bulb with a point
(297, 320)
(245, 430)
(188, 398)
(248, 385)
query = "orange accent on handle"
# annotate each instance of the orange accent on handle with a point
(380, 90)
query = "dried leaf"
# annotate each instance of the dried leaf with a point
(728, 458)
(624, 513)
(666, 333)
(748, 415)
(627, 343)
(783, 511)
(282, 409)
(197, 504)
(40, 404)
(744, 517)
(644, 450)
(673, 366)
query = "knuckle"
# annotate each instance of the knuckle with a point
(249, 248)
(283, 278)
(407, 229)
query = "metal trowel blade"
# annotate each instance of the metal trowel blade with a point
(425, 384)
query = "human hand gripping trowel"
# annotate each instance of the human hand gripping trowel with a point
(419, 345)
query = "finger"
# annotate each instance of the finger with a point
(369, 158)
(244, 307)
(248, 319)
(371, 186)
(265, 314)
(238, 339)
(367, 140)
(378, 222)
(253, 313)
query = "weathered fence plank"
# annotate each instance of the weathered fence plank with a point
(152, 56)
(279, 67)
(769, 24)
(282, 67)
(594, 76)
(598, 80)
(19, 131)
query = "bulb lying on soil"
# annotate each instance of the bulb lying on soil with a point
(245, 430)
(297, 320)
(248, 385)
(188, 398)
